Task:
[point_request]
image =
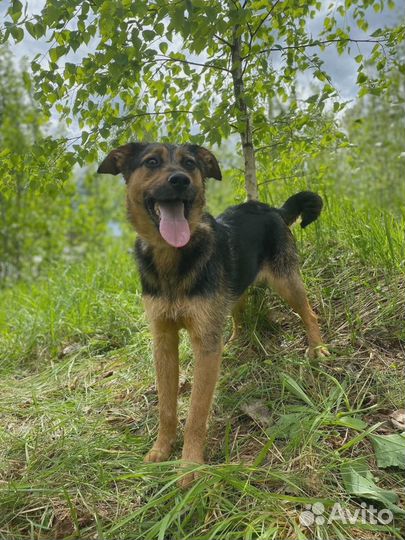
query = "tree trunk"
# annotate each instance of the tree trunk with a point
(244, 117)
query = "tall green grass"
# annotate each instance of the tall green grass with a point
(94, 300)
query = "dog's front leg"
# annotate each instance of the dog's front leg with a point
(207, 355)
(166, 356)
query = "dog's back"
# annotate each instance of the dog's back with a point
(260, 238)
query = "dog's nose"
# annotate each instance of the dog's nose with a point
(179, 180)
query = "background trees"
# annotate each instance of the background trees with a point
(46, 212)
(214, 72)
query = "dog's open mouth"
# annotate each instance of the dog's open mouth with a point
(171, 218)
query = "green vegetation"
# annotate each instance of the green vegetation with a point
(121, 69)
(78, 404)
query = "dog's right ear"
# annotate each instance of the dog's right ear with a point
(209, 163)
(118, 160)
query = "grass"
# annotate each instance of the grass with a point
(78, 401)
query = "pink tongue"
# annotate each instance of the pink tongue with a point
(173, 225)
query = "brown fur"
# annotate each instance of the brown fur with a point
(291, 289)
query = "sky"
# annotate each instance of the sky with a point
(342, 69)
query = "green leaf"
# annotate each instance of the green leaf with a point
(389, 450)
(56, 53)
(358, 481)
(295, 388)
(27, 81)
(350, 422)
(312, 98)
(163, 47)
(149, 35)
(15, 10)
(292, 425)
(30, 28)
(17, 33)
(361, 78)
(381, 64)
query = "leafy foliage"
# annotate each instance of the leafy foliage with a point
(390, 450)
(370, 166)
(41, 218)
(124, 69)
(358, 481)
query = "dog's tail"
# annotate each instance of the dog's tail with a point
(306, 204)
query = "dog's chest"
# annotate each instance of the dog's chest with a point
(174, 275)
(203, 316)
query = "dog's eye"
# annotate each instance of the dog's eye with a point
(151, 162)
(189, 163)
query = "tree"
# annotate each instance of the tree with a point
(19, 126)
(207, 68)
(40, 218)
(369, 170)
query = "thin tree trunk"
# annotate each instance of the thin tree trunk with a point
(245, 117)
(19, 223)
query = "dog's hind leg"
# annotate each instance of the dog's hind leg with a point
(292, 290)
(166, 357)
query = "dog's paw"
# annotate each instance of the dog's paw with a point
(156, 455)
(187, 479)
(321, 351)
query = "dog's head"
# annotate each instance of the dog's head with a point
(165, 187)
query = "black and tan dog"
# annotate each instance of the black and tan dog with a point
(195, 270)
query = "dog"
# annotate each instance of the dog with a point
(195, 271)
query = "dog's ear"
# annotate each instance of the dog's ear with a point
(207, 160)
(117, 160)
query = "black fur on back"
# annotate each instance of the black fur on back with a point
(306, 204)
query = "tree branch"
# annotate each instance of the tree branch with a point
(222, 40)
(243, 114)
(267, 146)
(315, 44)
(275, 178)
(154, 113)
(264, 19)
(208, 65)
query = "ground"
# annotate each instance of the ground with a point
(78, 406)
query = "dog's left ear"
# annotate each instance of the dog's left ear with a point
(117, 160)
(207, 160)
